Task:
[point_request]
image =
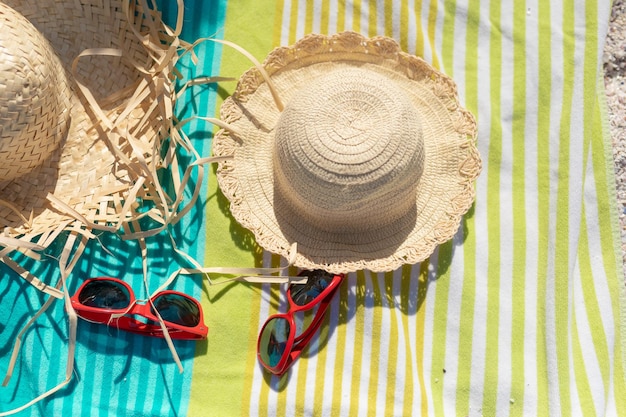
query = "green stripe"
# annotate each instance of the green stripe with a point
(561, 257)
(518, 173)
(440, 320)
(493, 214)
(209, 373)
(445, 62)
(419, 34)
(432, 23)
(543, 196)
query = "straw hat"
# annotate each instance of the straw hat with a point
(79, 126)
(369, 165)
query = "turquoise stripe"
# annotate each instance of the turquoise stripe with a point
(117, 373)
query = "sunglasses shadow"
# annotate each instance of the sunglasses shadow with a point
(404, 290)
(122, 348)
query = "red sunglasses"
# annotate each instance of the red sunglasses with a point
(284, 336)
(98, 299)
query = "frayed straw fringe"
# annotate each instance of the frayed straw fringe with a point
(155, 98)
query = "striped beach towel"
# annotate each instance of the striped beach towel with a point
(523, 313)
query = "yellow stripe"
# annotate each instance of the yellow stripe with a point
(341, 16)
(446, 58)
(404, 26)
(357, 348)
(493, 214)
(406, 303)
(432, 24)
(308, 17)
(562, 253)
(518, 127)
(356, 16)
(419, 33)
(389, 17)
(392, 354)
(543, 199)
(372, 13)
(324, 17)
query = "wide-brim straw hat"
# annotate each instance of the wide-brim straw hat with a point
(86, 103)
(353, 150)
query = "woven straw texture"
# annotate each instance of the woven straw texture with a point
(370, 165)
(87, 178)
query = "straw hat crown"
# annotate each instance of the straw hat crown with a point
(347, 148)
(34, 99)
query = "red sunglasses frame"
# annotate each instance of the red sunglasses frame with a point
(128, 323)
(296, 344)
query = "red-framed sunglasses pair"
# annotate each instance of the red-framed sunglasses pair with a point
(284, 336)
(98, 299)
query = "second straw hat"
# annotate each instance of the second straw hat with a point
(354, 150)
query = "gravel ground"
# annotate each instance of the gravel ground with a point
(615, 85)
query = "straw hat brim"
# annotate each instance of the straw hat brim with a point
(83, 174)
(444, 192)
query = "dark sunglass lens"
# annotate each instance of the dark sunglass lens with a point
(106, 294)
(317, 282)
(177, 309)
(273, 341)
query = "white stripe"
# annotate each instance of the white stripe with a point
(423, 19)
(380, 17)
(317, 16)
(413, 336)
(556, 101)
(457, 67)
(429, 319)
(531, 209)
(365, 16)
(284, 34)
(333, 11)
(396, 13)
(366, 354)
(507, 250)
(300, 24)
(349, 15)
(402, 362)
(348, 358)
(384, 346)
(331, 356)
(449, 379)
(439, 30)
(576, 142)
(481, 220)
(576, 174)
